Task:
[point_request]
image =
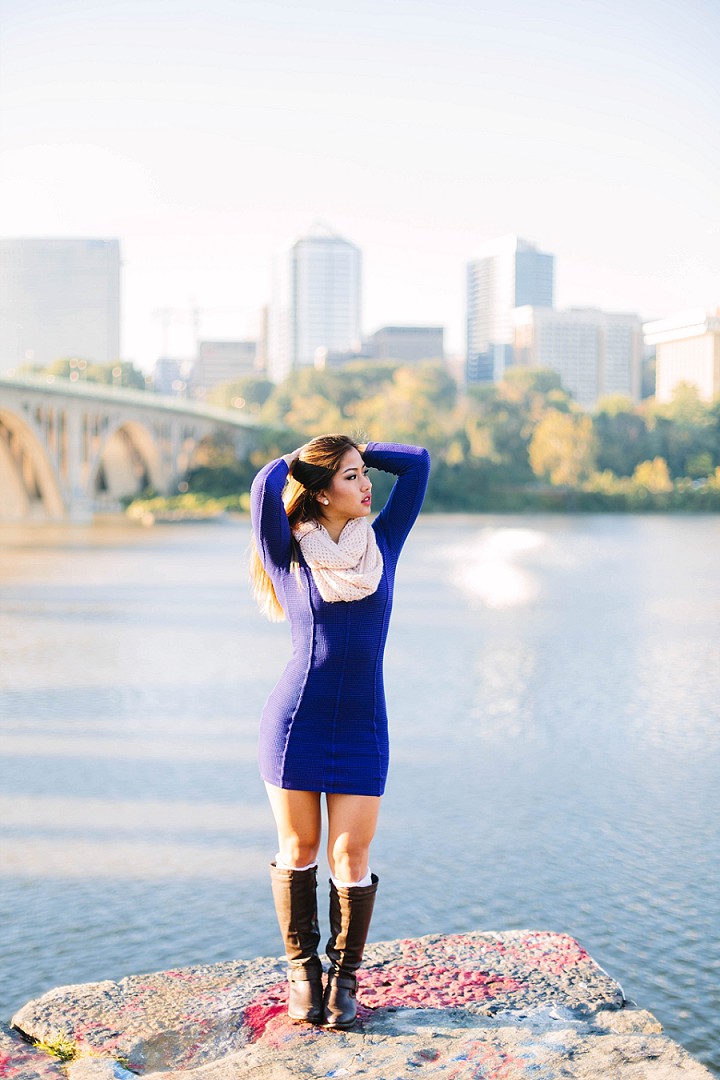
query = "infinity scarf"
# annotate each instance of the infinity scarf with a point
(348, 570)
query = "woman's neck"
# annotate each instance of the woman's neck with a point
(334, 527)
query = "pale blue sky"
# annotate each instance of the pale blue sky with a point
(208, 135)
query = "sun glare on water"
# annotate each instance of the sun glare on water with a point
(491, 568)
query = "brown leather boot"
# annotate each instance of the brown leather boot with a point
(295, 896)
(350, 914)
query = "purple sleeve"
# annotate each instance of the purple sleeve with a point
(411, 465)
(267, 512)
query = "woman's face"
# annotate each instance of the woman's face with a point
(349, 493)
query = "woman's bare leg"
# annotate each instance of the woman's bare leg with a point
(298, 821)
(352, 824)
(352, 821)
(294, 885)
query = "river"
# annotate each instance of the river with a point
(554, 694)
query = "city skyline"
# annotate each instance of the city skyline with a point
(208, 139)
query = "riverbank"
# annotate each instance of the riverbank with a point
(506, 1005)
(616, 496)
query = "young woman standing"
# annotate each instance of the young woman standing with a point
(319, 563)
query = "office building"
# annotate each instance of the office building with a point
(316, 302)
(59, 298)
(687, 350)
(506, 273)
(595, 353)
(221, 362)
(407, 344)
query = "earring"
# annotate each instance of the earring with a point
(326, 501)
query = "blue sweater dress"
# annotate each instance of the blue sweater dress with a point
(324, 726)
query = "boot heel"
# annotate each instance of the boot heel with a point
(340, 1006)
(305, 996)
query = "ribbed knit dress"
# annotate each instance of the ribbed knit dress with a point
(324, 726)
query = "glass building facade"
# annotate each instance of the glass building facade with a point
(506, 273)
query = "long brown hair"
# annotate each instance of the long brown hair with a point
(311, 473)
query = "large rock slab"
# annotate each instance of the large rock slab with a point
(504, 1006)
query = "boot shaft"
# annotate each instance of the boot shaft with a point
(350, 916)
(295, 897)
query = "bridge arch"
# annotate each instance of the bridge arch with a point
(69, 450)
(27, 479)
(128, 461)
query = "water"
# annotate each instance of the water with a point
(554, 689)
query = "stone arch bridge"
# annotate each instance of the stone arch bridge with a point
(68, 450)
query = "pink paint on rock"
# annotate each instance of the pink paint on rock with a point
(488, 1062)
(430, 987)
(418, 983)
(550, 954)
(258, 1014)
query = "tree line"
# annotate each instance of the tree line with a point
(522, 443)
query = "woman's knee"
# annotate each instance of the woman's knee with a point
(298, 822)
(348, 860)
(297, 850)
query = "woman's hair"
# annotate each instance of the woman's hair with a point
(311, 473)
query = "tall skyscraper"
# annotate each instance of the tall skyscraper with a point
(316, 301)
(595, 353)
(59, 298)
(506, 273)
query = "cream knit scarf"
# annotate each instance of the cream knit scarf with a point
(348, 570)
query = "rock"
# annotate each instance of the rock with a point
(23, 1061)
(505, 1006)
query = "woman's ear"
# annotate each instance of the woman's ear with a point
(322, 498)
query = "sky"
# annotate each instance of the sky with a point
(209, 136)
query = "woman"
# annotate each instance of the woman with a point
(319, 563)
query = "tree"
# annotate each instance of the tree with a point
(562, 448)
(250, 392)
(621, 436)
(653, 476)
(684, 429)
(121, 373)
(416, 406)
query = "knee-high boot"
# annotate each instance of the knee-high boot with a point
(350, 914)
(295, 896)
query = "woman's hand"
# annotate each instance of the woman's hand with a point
(362, 447)
(291, 458)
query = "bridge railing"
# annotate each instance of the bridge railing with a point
(145, 399)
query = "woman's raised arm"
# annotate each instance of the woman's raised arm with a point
(267, 513)
(411, 465)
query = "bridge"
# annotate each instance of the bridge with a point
(68, 450)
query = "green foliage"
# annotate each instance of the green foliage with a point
(249, 394)
(562, 448)
(621, 436)
(685, 432)
(63, 1047)
(120, 373)
(519, 444)
(654, 476)
(190, 506)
